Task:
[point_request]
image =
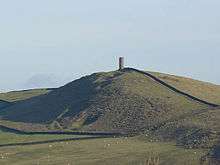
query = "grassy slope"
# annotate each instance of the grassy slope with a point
(117, 151)
(203, 90)
(109, 101)
(23, 126)
(138, 100)
(7, 138)
(22, 95)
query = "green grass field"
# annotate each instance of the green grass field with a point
(110, 151)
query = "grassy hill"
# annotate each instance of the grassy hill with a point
(130, 102)
(115, 101)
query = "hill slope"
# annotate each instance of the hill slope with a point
(203, 90)
(115, 101)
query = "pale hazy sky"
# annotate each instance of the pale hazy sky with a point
(50, 42)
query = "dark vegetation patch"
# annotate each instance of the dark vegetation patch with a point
(4, 104)
(213, 157)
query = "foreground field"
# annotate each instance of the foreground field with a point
(11, 138)
(111, 151)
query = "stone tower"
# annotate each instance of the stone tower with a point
(121, 63)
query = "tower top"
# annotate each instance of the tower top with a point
(121, 63)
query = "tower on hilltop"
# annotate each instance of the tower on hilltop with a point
(121, 63)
